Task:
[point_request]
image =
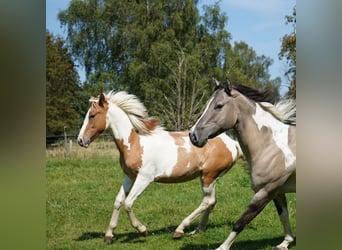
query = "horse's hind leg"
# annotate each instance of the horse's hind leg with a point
(205, 217)
(119, 200)
(207, 204)
(281, 205)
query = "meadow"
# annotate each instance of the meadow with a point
(81, 189)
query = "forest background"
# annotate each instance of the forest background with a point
(165, 52)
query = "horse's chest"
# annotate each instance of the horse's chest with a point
(131, 157)
(130, 164)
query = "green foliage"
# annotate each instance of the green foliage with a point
(80, 194)
(288, 52)
(62, 91)
(165, 52)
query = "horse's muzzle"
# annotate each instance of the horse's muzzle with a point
(193, 138)
(82, 143)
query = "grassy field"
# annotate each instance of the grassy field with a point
(81, 192)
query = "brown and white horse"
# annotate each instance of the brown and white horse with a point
(267, 135)
(148, 154)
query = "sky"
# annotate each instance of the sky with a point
(261, 24)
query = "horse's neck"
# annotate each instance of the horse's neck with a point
(246, 129)
(120, 124)
(254, 126)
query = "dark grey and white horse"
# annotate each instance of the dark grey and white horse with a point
(267, 136)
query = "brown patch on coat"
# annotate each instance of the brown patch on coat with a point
(150, 123)
(130, 158)
(220, 159)
(209, 161)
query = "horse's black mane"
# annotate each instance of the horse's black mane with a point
(255, 94)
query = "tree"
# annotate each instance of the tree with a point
(288, 52)
(162, 51)
(62, 90)
(243, 65)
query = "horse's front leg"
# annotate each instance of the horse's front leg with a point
(140, 184)
(281, 205)
(257, 204)
(119, 200)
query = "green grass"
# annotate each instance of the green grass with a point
(81, 192)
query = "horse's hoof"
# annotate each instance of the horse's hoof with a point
(281, 248)
(194, 232)
(177, 235)
(108, 239)
(145, 233)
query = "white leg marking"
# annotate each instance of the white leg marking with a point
(284, 218)
(140, 184)
(119, 200)
(208, 201)
(228, 242)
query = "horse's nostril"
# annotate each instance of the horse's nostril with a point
(193, 138)
(80, 141)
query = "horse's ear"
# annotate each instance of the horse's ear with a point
(228, 87)
(102, 100)
(215, 82)
(92, 99)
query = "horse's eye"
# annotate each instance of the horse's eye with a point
(218, 106)
(91, 117)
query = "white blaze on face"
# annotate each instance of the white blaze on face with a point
(85, 122)
(279, 133)
(204, 112)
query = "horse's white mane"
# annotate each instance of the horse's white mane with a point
(135, 110)
(284, 110)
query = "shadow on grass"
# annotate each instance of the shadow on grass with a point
(136, 237)
(90, 236)
(249, 244)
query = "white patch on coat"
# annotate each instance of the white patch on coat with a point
(279, 133)
(187, 144)
(120, 124)
(231, 145)
(161, 161)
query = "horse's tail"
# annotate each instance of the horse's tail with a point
(287, 109)
(284, 110)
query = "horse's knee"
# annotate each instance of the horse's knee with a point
(212, 202)
(117, 204)
(128, 206)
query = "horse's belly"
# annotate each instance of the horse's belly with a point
(176, 178)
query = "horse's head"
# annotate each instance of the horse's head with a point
(95, 121)
(219, 115)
